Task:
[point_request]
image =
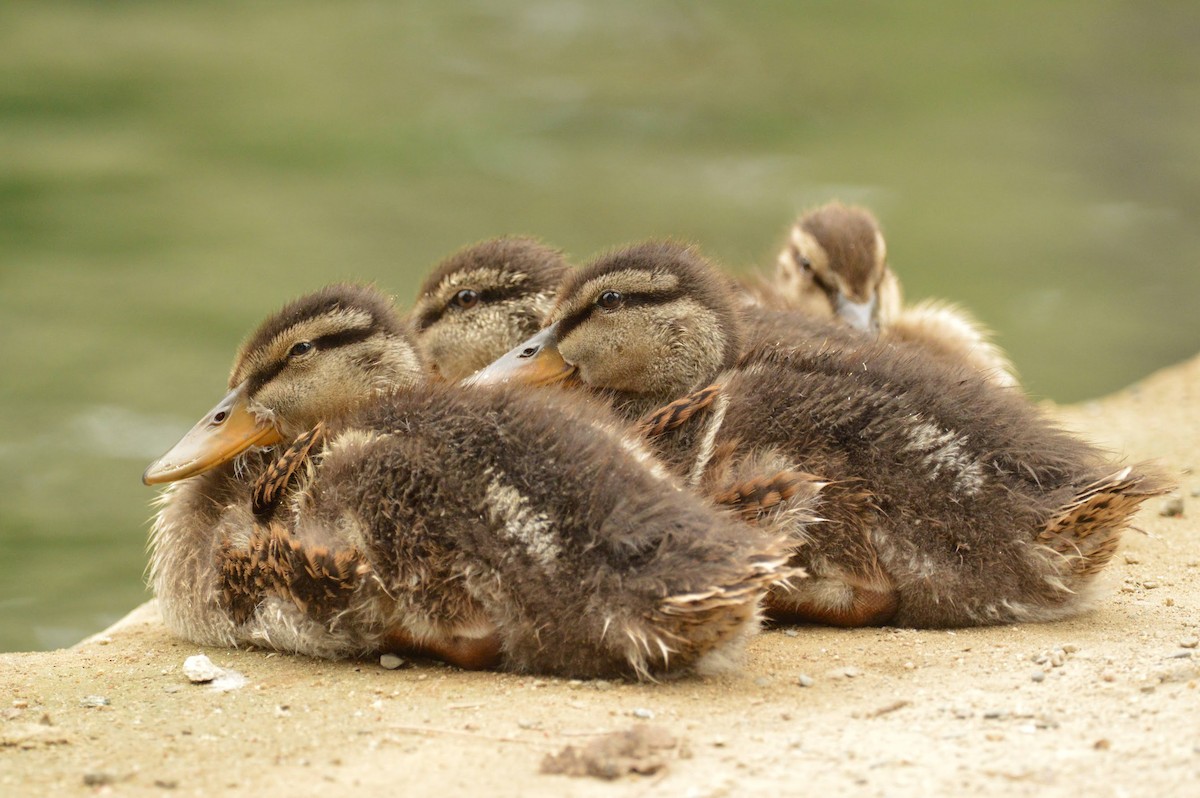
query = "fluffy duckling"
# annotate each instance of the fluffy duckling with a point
(483, 300)
(949, 502)
(485, 527)
(835, 266)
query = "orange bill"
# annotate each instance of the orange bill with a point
(534, 362)
(226, 431)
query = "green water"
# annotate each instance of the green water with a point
(170, 172)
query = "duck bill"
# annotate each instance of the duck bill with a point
(226, 431)
(860, 315)
(537, 361)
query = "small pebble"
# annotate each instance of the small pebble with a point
(98, 779)
(390, 661)
(1131, 559)
(199, 669)
(1038, 676)
(1102, 745)
(1189, 642)
(601, 684)
(643, 713)
(791, 633)
(1171, 507)
(94, 701)
(804, 680)
(1108, 676)
(1150, 585)
(171, 688)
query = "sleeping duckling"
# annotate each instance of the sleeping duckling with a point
(485, 527)
(950, 501)
(483, 300)
(835, 266)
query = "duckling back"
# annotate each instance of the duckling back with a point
(585, 555)
(961, 498)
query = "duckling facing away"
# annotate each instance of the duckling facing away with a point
(949, 501)
(485, 527)
(835, 266)
(483, 300)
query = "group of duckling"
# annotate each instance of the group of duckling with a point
(613, 470)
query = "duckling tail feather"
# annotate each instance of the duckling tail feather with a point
(1088, 529)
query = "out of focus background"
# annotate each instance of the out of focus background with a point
(172, 172)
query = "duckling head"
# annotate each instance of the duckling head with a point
(644, 325)
(318, 359)
(835, 265)
(483, 300)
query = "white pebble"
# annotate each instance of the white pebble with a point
(390, 661)
(199, 669)
(642, 713)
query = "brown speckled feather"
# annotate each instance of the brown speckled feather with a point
(272, 485)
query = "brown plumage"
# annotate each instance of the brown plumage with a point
(483, 300)
(834, 266)
(487, 527)
(948, 501)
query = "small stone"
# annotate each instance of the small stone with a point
(1189, 642)
(1131, 559)
(1108, 676)
(390, 661)
(21, 703)
(1070, 648)
(1038, 675)
(1102, 744)
(1147, 688)
(166, 784)
(643, 713)
(1150, 585)
(1171, 507)
(171, 688)
(199, 669)
(601, 684)
(804, 680)
(98, 779)
(94, 701)
(791, 633)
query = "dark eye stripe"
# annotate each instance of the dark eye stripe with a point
(630, 300)
(430, 317)
(324, 342)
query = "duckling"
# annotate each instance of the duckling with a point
(483, 300)
(948, 501)
(835, 266)
(486, 527)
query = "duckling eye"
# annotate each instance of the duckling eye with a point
(610, 300)
(801, 259)
(300, 348)
(466, 298)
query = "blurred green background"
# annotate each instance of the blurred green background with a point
(171, 172)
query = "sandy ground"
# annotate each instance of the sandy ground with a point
(1105, 705)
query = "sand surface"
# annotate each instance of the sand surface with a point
(1105, 704)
